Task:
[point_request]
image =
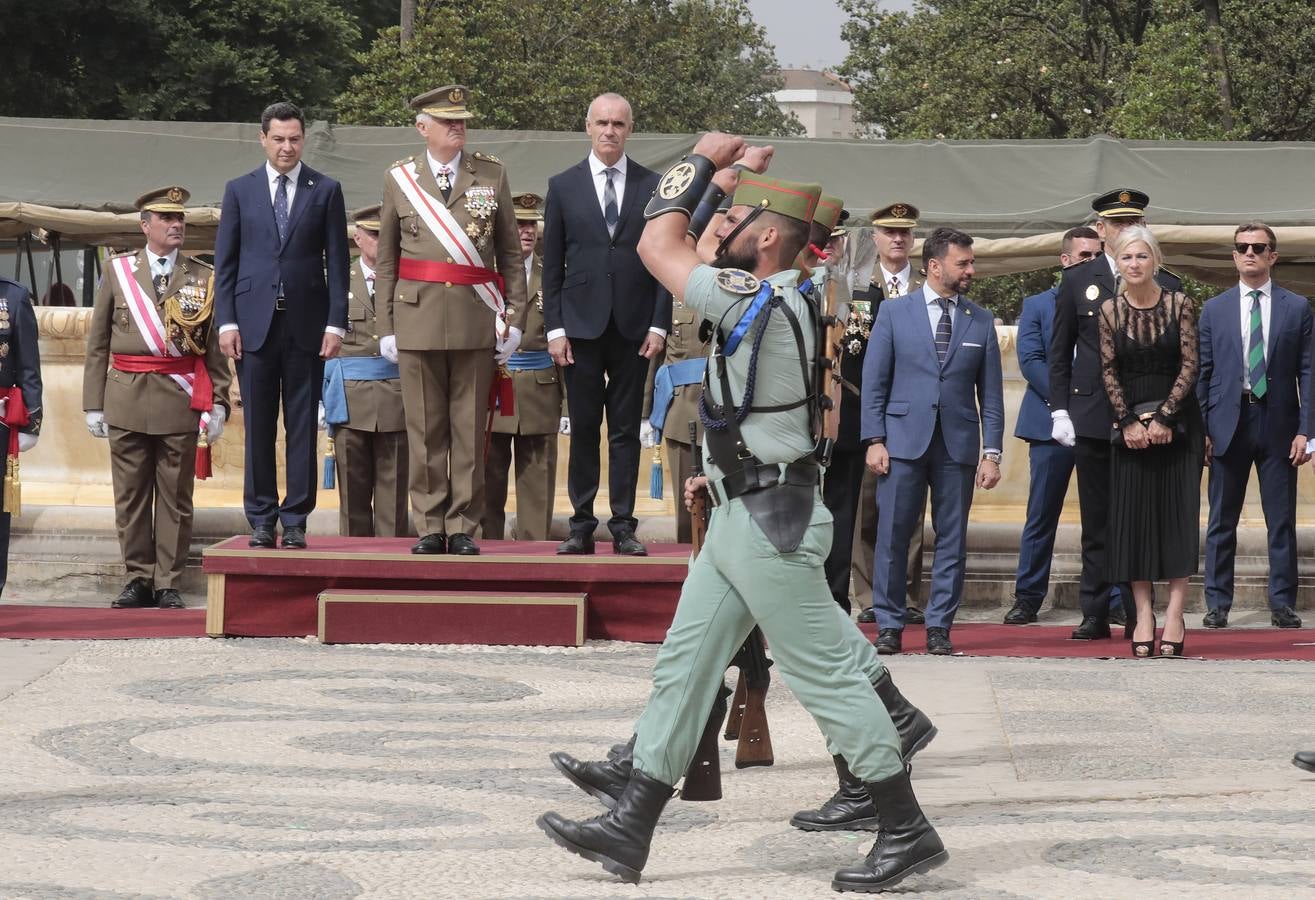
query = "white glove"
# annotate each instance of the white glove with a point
(388, 347)
(96, 424)
(564, 426)
(216, 426)
(1061, 428)
(646, 438)
(4, 405)
(26, 441)
(319, 422)
(507, 346)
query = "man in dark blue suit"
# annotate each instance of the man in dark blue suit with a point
(932, 394)
(1254, 390)
(604, 317)
(281, 277)
(1050, 462)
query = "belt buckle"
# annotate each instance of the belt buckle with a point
(280, 304)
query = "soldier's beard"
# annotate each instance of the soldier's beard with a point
(735, 259)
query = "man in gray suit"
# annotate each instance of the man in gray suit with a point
(932, 391)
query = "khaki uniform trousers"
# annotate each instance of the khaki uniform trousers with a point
(680, 465)
(738, 580)
(536, 483)
(865, 547)
(371, 469)
(153, 477)
(446, 395)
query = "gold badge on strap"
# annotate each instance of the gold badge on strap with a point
(1092, 292)
(737, 281)
(676, 181)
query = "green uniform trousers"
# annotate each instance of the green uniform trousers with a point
(740, 580)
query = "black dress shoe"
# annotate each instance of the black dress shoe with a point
(914, 616)
(1091, 629)
(462, 545)
(1305, 759)
(624, 543)
(294, 538)
(1117, 617)
(580, 543)
(137, 595)
(890, 640)
(431, 544)
(168, 598)
(1020, 614)
(261, 536)
(867, 616)
(1215, 618)
(938, 641)
(1285, 617)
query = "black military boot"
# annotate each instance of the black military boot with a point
(915, 729)
(849, 809)
(604, 780)
(618, 839)
(906, 843)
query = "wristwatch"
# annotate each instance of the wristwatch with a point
(992, 455)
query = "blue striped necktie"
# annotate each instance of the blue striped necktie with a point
(281, 207)
(1256, 349)
(611, 214)
(943, 331)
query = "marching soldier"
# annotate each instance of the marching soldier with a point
(20, 398)
(156, 385)
(529, 423)
(450, 285)
(363, 409)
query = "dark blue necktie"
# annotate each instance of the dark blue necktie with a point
(611, 214)
(281, 207)
(943, 331)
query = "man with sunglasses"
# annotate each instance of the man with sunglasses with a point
(1050, 463)
(1254, 392)
(1080, 412)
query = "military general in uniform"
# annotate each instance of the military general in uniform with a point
(363, 408)
(20, 398)
(451, 298)
(529, 412)
(156, 385)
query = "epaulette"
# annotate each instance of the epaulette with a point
(200, 262)
(125, 253)
(488, 156)
(401, 162)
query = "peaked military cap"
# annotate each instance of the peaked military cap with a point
(1121, 203)
(163, 200)
(445, 103)
(367, 217)
(786, 198)
(830, 212)
(896, 215)
(528, 207)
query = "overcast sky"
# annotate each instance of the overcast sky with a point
(807, 35)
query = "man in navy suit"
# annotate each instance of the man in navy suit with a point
(281, 277)
(1050, 462)
(1254, 390)
(604, 318)
(932, 393)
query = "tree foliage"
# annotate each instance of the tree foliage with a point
(685, 65)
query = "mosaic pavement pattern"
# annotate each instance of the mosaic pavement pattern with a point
(286, 769)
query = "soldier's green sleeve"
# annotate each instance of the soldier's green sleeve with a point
(707, 298)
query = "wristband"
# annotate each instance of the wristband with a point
(681, 188)
(708, 207)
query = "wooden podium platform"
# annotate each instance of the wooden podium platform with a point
(276, 593)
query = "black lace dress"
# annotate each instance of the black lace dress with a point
(1151, 356)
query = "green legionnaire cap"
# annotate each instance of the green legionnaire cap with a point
(1121, 203)
(445, 103)
(830, 211)
(163, 200)
(786, 198)
(367, 217)
(528, 207)
(896, 215)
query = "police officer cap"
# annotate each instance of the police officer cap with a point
(163, 200)
(528, 207)
(786, 198)
(367, 217)
(1121, 203)
(896, 215)
(445, 103)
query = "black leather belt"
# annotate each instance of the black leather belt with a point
(1248, 397)
(762, 476)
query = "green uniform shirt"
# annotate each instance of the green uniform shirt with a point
(776, 437)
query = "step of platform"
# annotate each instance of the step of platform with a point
(451, 617)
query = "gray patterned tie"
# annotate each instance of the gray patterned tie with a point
(943, 331)
(281, 207)
(611, 214)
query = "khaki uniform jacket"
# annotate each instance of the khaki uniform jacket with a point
(682, 343)
(144, 402)
(430, 316)
(371, 405)
(539, 394)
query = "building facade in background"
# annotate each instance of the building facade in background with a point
(822, 102)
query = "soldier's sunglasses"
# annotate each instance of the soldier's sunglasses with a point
(1257, 249)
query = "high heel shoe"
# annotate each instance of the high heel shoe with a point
(1173, 648)
(1145, 649)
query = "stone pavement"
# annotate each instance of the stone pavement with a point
(283, 768)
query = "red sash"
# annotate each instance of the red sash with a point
(203, 389)
(15, 416)
(443, 273)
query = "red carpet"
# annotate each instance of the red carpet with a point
(982, 639)
(80, 623)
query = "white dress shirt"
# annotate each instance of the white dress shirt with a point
(435, 166)
(170, 260)
(273, 175)
(529, 270)
(905, 280)
(597, 166)
(368, 272)
(1266, 302)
